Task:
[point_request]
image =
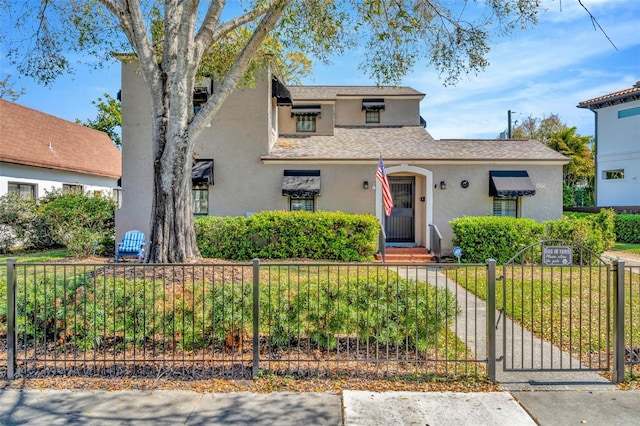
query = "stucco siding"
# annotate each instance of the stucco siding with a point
(618, 142)
(325, 122)
(455, 201)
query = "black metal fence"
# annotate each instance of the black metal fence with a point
(630, 317)
(230, 320)
(240, 320)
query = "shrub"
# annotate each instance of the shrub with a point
(594, 232)
(282, 235)
(84, 224)
(22, 225)
(499, 238)
(627, 228)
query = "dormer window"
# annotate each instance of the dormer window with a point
(306, 117)
(372, 108)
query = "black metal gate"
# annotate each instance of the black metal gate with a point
(556, 309)
(400, 226)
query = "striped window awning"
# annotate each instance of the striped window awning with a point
(202, 172)
(308, 110)
(301, 183)
(372, 104)
(510, 183)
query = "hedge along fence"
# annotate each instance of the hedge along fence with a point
(492, 237)
(627, 228)
(288, 235)
(501, 238)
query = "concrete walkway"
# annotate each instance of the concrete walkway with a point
(471, 328)
(353, 408)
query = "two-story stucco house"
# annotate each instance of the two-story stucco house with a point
(617, 118)
(318, 148)
(40, 152)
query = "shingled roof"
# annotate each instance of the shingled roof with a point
(33, 138)
(615, 98)
(319, 93)
(408, 143)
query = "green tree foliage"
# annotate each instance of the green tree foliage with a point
(109, 118)
(7, 91)
(579, 174)
(82, 223)
(172, 41)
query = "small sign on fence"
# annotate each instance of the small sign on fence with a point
(557, 256)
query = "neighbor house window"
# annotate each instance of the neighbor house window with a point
(373, 116)
(306, 123)
(200, 195)
(116, 195)
(69, 188)
(613, 174)
(25, 190)
(505, 206)
(307, 204)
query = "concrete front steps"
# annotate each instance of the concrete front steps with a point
(408, 255)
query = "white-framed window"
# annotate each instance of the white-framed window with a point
(613, 174)
(71, 188)
(306, 204)
(372, 116)
(116, 195)
(505, 206)
(200, 196)
(25, 190)
(306, 123)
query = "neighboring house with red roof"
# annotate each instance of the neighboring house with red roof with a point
(317, 148)
(40, 152)
(617, 118)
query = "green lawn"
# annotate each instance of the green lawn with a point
(626, 247)
(36, 257)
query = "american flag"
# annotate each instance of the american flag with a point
(386, 191)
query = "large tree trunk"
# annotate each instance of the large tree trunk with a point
(173, 238)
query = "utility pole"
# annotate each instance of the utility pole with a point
(509, 124)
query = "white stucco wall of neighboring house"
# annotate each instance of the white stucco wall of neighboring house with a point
(47, 180)
(618, 140)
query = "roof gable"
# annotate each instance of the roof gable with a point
(33, 138)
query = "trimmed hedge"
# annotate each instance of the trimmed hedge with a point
(627, 228)
(285, 235)
(501, 238)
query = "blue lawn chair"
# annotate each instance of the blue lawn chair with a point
(132, 245)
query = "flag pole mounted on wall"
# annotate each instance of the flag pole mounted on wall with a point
(381, 176)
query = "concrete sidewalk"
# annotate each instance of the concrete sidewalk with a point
(287, 408)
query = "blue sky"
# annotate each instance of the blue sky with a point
(544, 70)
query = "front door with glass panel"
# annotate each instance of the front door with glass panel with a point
(400, 226)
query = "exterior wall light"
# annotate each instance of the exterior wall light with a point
(365, 184)
(443, 185)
